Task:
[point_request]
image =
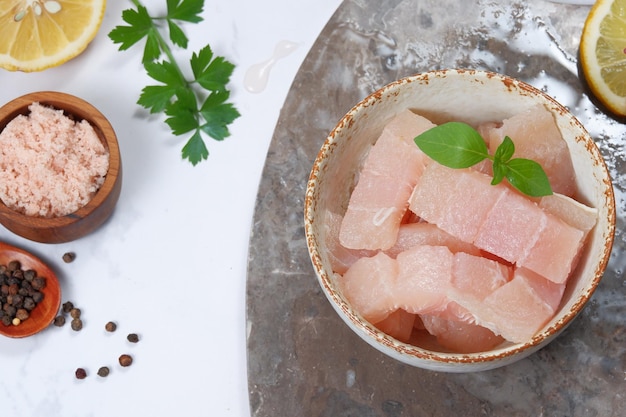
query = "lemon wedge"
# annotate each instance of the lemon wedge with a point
(603, 54)
(40, 34)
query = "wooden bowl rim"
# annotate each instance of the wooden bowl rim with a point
(45, 312)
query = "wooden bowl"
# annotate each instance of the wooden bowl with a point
(44, 312)
(89, 217)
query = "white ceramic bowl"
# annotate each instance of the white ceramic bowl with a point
(473, 97)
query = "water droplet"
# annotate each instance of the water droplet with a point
(257, 75)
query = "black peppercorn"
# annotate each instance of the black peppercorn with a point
(59, 321)
(110, 326)
(77, 324)
(29, 303)
(22, 314)
(13, 265)
(81, 373)
(69, 257)
(103, 371)
(13, 289)
(37, 296)
(39, 283)
(133, 338)
(75, 313)
(29, 275)
(125, 360)
(67, 306)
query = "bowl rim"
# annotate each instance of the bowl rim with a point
(419, 356)
(78, 109)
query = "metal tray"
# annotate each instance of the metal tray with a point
(302, 359)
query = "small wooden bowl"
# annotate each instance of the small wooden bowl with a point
(89, 217)
(44, 313)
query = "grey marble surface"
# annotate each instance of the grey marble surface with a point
(302, 359)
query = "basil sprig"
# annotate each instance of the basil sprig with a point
(458, 145)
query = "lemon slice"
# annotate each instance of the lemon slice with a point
(603, 54)
(39, 34)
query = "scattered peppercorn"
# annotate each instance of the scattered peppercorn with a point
(81, 373)
(75, 313)
(110, 326)
(59, 321)
(67, 306)
(69, 257)
(77, 324)
(125, 360)
(103, 371)
(133, 338)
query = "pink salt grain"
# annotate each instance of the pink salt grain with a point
(50, 165)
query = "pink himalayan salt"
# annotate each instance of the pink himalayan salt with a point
(50, 165)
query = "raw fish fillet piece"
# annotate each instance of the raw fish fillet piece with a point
(424, 274)
(459, 336)
(340, 258)
(551, 293)
(536, 136)
(511, 227)
(556, 251)
(398, 324)
(478, 277)
(413, 234)
(389, 174)
(572, 212)
(457, 201)
(520, 308)
(369, 286)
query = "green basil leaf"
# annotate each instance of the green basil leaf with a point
(528, 177)
(453, 144)
(505, 151)
(499, 172)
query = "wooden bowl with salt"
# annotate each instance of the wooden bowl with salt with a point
(44, 312)
(88, 217)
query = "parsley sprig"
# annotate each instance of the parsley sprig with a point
(458, 145)
(198, 105)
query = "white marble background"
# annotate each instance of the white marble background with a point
(170, 264)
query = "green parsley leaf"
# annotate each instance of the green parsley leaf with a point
(458, 145)
(157, 97)
(211, 73)
(183, 113)
(186, 10)
(453, 144)
(195, 150)
(175, 95)
(177, 36)
(140, 26)
(218, 115)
